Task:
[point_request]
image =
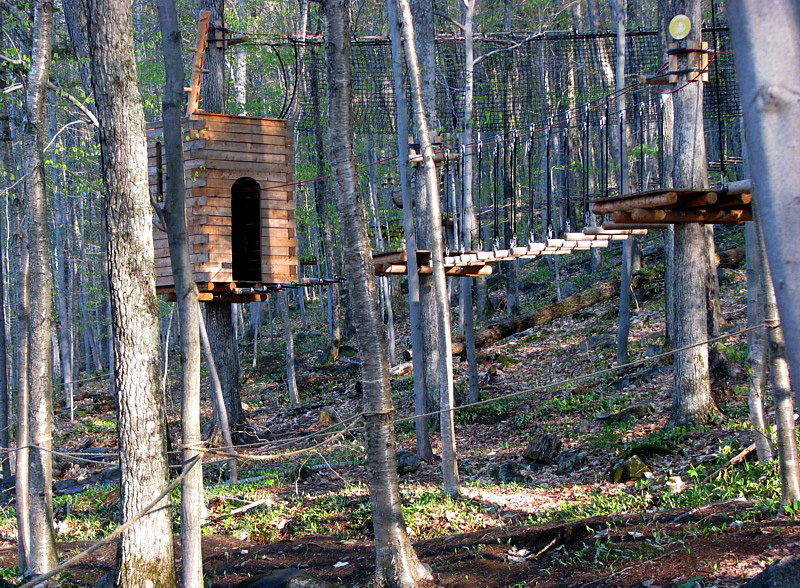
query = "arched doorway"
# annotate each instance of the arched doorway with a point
(246, 230)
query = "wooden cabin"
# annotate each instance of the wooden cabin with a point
(240, 206)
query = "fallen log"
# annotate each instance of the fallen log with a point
(499, 330)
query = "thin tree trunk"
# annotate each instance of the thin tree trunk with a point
(322, 199)
(174, 215)
(5, 389)
(291, 376)
(619, 14)
(396, 563)
(21, 280)
(756, 345)
(781, 384)
(64, 294)
(219, 400)
(469, 224)
(219, 322)
(40, 490)
(424, 450)
(145, 552)
(445, 360)
(219, 318)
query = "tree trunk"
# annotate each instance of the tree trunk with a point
(619, 15)
(424, 450)
(291, 376)
(21, 281)
(5, 390)
(469, 223)
(219, 322)
(444, 364)
(692, 403)
(174, 215)
(767, 48)
(145, 552)
(219, 314)
(219, 406)
(396, 563)
(43, 546)
(756, 345)
(781, 389)
(427, 222)
(322, 199)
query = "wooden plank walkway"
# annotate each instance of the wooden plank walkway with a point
(473, 264)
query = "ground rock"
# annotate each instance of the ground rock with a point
(407, 462)
(629, 469)
(725, 275)
(68, 487)
(568, 290)
(286, 578)
(327, 417)
(508, 472)
(569, 461)
(637, 411)
(597, 342)
(784, 573)
(542, 448)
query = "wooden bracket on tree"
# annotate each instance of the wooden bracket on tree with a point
(203, 23)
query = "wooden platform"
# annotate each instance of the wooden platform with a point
(218, 292)
(473, 264)
(663, 207)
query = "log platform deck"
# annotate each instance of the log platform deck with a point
(667, 206)
(474, 264)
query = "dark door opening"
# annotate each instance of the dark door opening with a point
(246, 230)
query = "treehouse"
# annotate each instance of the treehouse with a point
(240, 206)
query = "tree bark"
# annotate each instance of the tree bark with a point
(40, 491)
(219, 314)
(444, 364)
(323, 208)
(766, 43)
(756, 345)
(145, 552)
(291, 377)
(692, 403)
(219, 322)
(21, 280)
(469, 221)
(427, 222)
(396, 563)
(781, 384)
(9, 170)
(619, 9)
(424, 450)
(174, 215)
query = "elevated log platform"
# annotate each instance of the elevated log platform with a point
(727, 205)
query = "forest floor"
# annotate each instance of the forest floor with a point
(696, 517)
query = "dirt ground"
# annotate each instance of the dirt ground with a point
(719, 546)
